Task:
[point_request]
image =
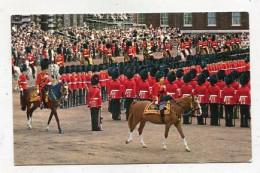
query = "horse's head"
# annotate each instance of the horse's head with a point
(65, 90)
(195, 106)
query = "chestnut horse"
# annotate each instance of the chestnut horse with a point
(177, 108)
(54, 96)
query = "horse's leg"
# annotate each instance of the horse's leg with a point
(31, 112)
(50, 117)
(140, 130)
(167, 128)
(57, 120)
(28, 116)
(178, 126)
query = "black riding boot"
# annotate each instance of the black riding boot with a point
(162, 115)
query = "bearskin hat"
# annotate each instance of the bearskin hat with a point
(199, 38)
(234, 74)
(247, 59)
(204, 38)
(165, 71)
(159, 75)
(182, 40)
(203, 64)
(129, 73)
(247, 73)
(186, 39)
(79, 69)
(95, 68)
(85, 45)
(213, 37)
(94, 79)
(140, 69)
(187, 77)
(100, 66)
(144, 75)
(108, 45)
(84, 68)
(229, 79)
(68, 69)
(206, 73)
(109, 71)
(179, 73)
(28, 49)
(153, 71)
(201, 79)
(59, 50)
(23, 68)
(90, 68)
(171, 76)
(62, 70)
(213, 79)
(193, 73)
(129, 43)
(44, 64)
(244, 79)
(73, 68)
(221, 74)
(114, 73)
(121, 70)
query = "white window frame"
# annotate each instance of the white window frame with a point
(164, 19)
(236, 16)
(141, 18)
(185, 19)
(212, 17)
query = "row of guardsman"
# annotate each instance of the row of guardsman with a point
(213, 78)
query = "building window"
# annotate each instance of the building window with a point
(211, 19)
(187, 19)
(164, 19)
(141, 18)
(236, 19)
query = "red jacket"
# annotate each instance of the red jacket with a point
(73, 80)
(172, 90)
(94, 99)
(79, 81)
(221, 85)
(88, 80)
(100, 48)
(130, 88)
(22, 81)
(159, 90)
(229, 96)
(214, 94)
(243, 96)
(202, 93)
(235, 85)
(86, 52)
(69, 82)
(102, 79)
(59, 60)
(42, 80)
(114, 89)
(75, 49)
(143, 89)
(193, 83)
(186, 90)
(63, 79)
(84, 82)
(207, 84)
(30, 58)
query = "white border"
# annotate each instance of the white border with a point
(7, 8)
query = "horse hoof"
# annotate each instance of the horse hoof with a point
(127, 141)
(144, 146)
(47, 129)
(164, 148)
(61, 132)
(187, 149)
(30, 127)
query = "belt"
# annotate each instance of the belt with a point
(128, 90)
(114, 90)
(143, 91)
(170, 93)
(185, 95)
(213, 96)
(23, 82)
(201, 95)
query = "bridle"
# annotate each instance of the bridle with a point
(193, 109)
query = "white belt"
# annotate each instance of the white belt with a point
(185, 95)
(74, 82)
(170, 93)
(23, 82)
(114, 90)
(88, 82)
(213, 96)
(143, 91)
(201, 95)
(79, 82)
(102, 80)
(128, 90)
(226, 97)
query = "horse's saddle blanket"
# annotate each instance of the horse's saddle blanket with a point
(152, 108)
(34, 96)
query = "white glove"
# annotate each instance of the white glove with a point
(21, 89)
(38, 91)
(156, 102)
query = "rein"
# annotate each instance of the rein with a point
(191, 107)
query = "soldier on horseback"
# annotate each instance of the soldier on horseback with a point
(31, 59)
(22, 82)
(43, 80)
(60, 59)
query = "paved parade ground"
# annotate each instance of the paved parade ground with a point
(80, 145)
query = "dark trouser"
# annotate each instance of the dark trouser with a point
(128, 102)
(122, 104)
(65, 58)
(70, 99)
(187, 119)
(74, 93)
(22, 97)
(214, 121)
(200, 118)
(95, 119)
(84, 96)
(221, 111)
(244, 110)
(229, 115)
(115, 109)
(103, 93)
(79, 98)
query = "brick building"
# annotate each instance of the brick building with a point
(214, 22)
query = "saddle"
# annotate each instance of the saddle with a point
(152, 108)
(34, 96)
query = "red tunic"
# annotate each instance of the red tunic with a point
(86, 53)
(73, 80)
(243, 96)
(42, 80)
(75, 49)
(193, 83)
(114, 89)
(229, 96)
(202, 93)
(102, 79)
(143, 89)
(159, 90)
(84, 82)
(130, 88)
(100, 48)
(94, 98)
(172, 90)
(59, 60)
(214, 94)
(30, 58)
(186, 90)
(69, 82)
(22, 81)
(88, 80)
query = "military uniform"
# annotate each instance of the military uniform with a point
(63, 78)
(73, 80)
(143, 88)
(79, 85)
(84, 83)
(221, 84)
(171, 87)
(60, 59)
(68, 75)
(95, 102)
(22, 83)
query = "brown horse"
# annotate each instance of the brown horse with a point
(54, 96)
(177, 108)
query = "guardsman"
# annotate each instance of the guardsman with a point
(22, 82)
(137, 79)
(95, 102)
(130, 90)
(205, 45)
(143, 89)
(179, 82)
(84, 83)
(75, 51)
(152, 45)
(88, 76)
(183, 47)
(193, 81)
(31, 60)
(124, 47)
(159, 43)
(86, 52)
(159, 91)
(79, 85)
(200, 43)
(167, 48)
(187, 45)
(68, 75)
(43, 80)
(73, 80)
(229, 100)
(228, 43)
(114, 91)
(214, 44)
(63, 78)
(59, 59)
(244, 100)
(152, 80)
(130, 50)
(171, 87)
(102, 83)
(100, 49)
(186, 90)
(236, 86)
(144, 44)
(221, 84)
(214, 100)
(206, 73)
(202, 92)
(122, 79)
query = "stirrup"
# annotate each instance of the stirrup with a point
(41, 105)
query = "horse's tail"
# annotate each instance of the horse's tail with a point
(23, 102)
(131, 117)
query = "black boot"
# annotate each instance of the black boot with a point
(162, 115)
